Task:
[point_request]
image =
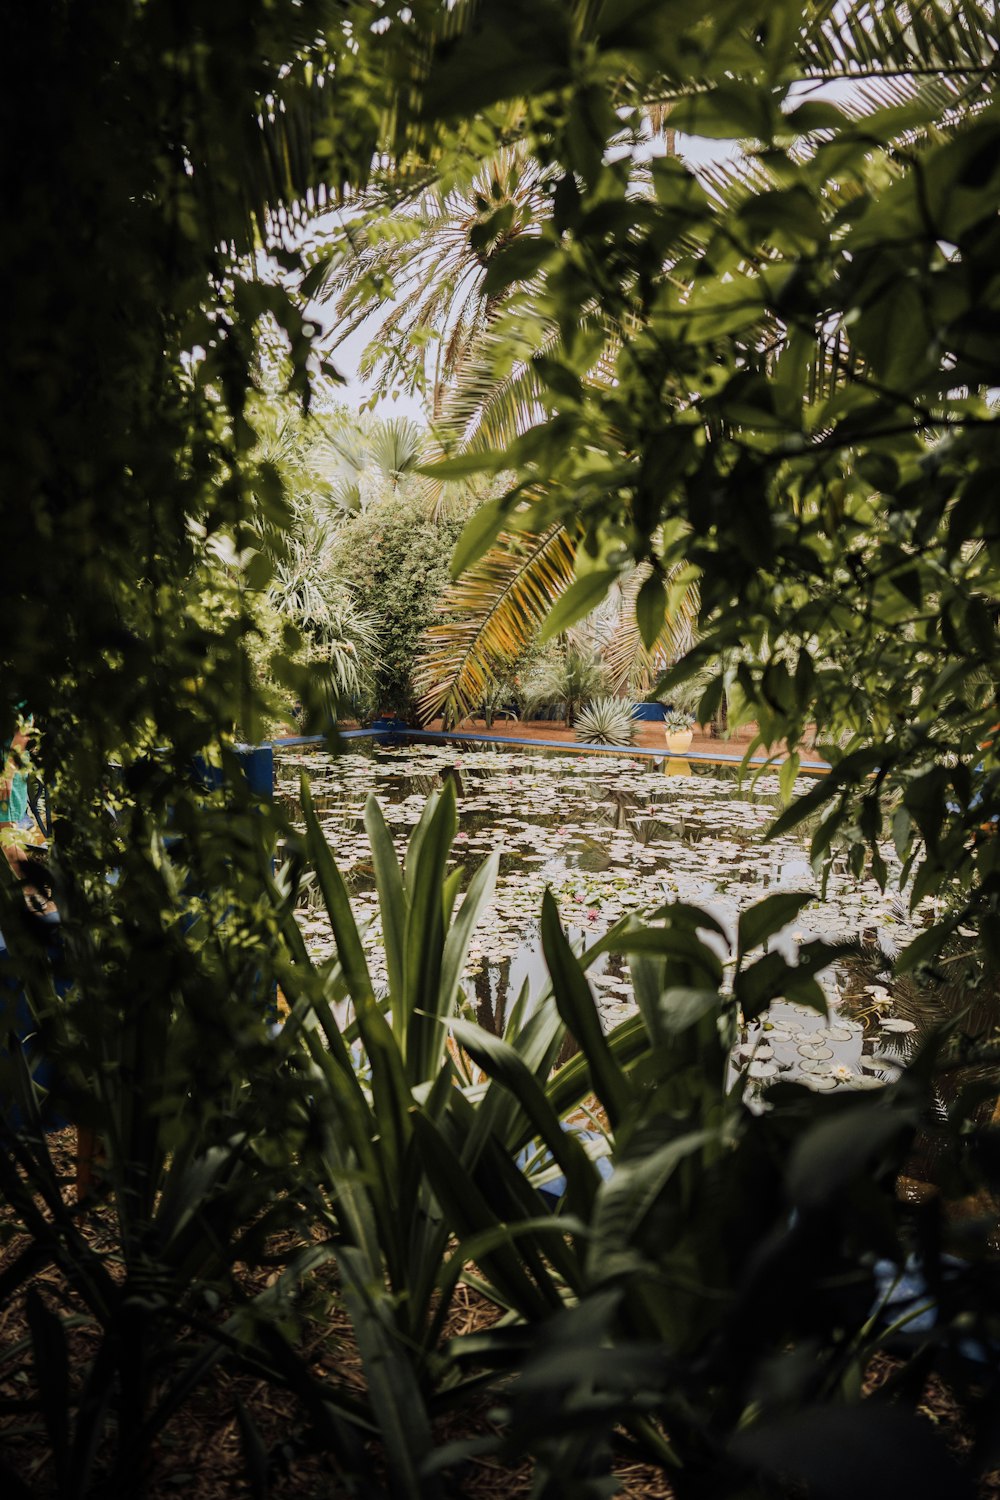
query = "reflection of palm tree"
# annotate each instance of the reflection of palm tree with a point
(969, 1058)
(617, 808)
(454, 775)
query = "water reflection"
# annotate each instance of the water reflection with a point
(606, 836)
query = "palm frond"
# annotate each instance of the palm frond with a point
(631, 666)
(414, 262)
(878, 38)
(491, 615)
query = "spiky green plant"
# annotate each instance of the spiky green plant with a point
(605, 721)
(565, 679)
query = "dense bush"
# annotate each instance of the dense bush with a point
(395, 555)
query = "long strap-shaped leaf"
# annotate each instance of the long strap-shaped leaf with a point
(456, 946)
(469, 1213)
(577, 1008)
(425, 872)
(396, 1398)
(364, 1212)
(337, 902)
(389, 1087)
(508, 1192)
(392, 903)
(503, 1063)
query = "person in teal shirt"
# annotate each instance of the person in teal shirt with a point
(14, 792)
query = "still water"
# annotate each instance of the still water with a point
(609, 835)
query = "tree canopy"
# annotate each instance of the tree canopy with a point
(801, 417)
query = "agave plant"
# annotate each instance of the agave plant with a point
(605, 721)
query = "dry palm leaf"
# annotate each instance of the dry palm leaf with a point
(493, 611)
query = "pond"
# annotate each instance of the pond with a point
(608, 835)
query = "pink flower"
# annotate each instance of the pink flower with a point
(593, 914)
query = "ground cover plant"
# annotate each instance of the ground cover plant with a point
(769, 387)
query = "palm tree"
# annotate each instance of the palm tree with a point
(492, 613)
(489, 617)
(412, 262)
(307, 453)
(431, 247)
(376, 457)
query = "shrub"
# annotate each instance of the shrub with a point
(395, 556)
(563, 680)
(606, 721)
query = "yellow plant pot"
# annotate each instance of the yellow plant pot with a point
(679, 740)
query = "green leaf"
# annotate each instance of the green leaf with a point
(733, 111)
(461, 466)
(456, 947)
(478, 535)
(337, 902)
(803, 807)
(469, 1213)
(577, 1008)
(503, 1063)
(689, 959)
(627, 1196)
(787, 774)
(837, 1151)
(426, 876)
(650, 609)
(395, 1395)
(925, 948)
(518, 261)
(817, 114)
(391, 896)
(580, 598)
(765, 918)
